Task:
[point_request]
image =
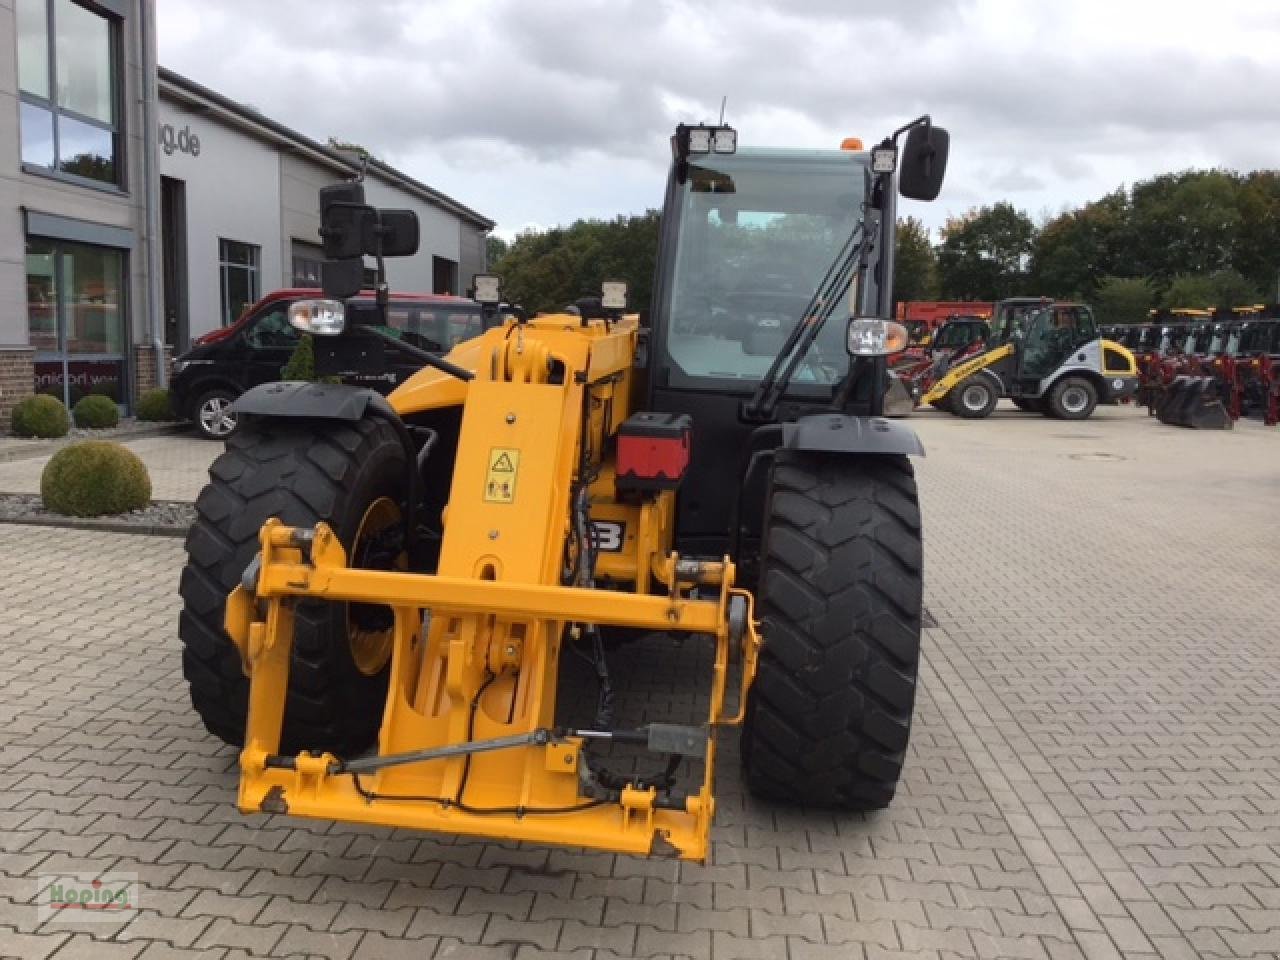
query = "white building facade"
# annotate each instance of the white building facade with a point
(139, 209)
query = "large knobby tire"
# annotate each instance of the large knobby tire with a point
(302, 472)
(974, 398)
(1072, 398)
(839, 600)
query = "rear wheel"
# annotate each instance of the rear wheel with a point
(975, 398)
(1072, 398)
(840, 593)
(349, 475)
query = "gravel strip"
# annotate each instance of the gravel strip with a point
(159, 518)
(26, 448)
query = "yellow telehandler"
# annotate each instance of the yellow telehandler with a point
(378, 591)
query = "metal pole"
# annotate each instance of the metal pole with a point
(151, 185)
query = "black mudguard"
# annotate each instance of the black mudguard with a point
(840, 433)
(313, 401)
(301, 400)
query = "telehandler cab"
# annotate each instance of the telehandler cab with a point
(397, 577)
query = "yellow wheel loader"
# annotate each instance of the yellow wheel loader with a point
(379, 590)
(1046, 357)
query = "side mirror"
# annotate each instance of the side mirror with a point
(399, 233)
(351, 230)
(341, 279)
(924, 163)
(343, 215)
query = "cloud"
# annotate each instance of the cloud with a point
(545, 112)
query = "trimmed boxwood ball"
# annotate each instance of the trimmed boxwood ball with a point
(93, 478)
(155, 405)
(96, 412)
(40, 416)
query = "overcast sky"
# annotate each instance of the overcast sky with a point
(538, 112)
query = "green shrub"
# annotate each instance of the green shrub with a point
(40, 416)
(94, 477)
(302, 363)
(96, 412)
(155, 405)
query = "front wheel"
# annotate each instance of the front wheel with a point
(351, 476)
(975, 398)
(213, 415)
(840, 593)
(1073, 398)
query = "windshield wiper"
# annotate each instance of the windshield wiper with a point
(830, 293)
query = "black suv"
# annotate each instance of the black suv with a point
(225, 363)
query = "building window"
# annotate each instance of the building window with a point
(307, 258)
(444, 275)
(76, 318)
(306, 272)
(69, 77)
(238, 264)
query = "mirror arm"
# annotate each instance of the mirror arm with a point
(426, 356)
(381, 292)
(924, 120)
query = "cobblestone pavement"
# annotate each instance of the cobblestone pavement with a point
(177, 465)
(1094, 771)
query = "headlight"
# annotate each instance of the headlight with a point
(323, 318)
(873, 337)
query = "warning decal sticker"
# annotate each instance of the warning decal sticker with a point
(500, 478)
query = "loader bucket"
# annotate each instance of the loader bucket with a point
(898, 401)
(1194, 402)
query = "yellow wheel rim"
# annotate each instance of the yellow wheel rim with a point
(370, 648)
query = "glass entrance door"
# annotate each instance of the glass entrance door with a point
(75, 315)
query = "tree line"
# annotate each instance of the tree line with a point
(1199, 238)
(545, 270)
(1191, 239)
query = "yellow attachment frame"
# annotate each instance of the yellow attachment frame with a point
(475, 646)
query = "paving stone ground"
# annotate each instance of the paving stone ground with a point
(1094, 770)
(177, 465)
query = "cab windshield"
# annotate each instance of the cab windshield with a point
(959, 334)
(1256, 338)
(1011, 318)
(757, 232)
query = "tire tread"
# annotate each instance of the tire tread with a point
(840, 597)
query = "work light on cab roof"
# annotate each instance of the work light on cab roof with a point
(486, 288)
